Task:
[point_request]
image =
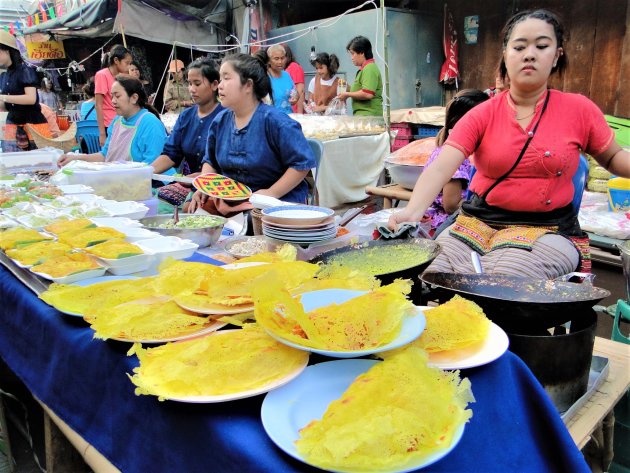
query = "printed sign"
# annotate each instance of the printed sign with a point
(45, 50)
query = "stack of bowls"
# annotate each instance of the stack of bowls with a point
(301, 224)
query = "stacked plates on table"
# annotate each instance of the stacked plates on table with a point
(302, 224)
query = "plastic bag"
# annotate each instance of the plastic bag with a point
(336, 107)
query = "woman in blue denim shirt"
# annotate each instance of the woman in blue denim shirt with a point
(254, 143)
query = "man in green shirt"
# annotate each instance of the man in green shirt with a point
(367, 90)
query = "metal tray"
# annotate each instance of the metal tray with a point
(598, 374)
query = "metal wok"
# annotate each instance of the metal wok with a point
(516, 303)
(408, 270)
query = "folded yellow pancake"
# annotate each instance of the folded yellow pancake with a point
(286, 252)
(14, 237)
(455, 324)
(181, 277)
(222, 363)
(114, 249)
(391, 417)
(69, 225)
(153, 318)
(79, 300)
(338, 277)
(230, 288)
(65, 265)
(368, 321)
(89, 236)
(38, 252)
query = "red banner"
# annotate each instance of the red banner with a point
(450, 69)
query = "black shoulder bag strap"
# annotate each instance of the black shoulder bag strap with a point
(520, 156)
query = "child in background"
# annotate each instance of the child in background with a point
(323, 87)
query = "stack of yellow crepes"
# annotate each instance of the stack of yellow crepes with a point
(367, 321)
(15, 237)
(456, 324)
(391, 417)
(114, 249)
(228, 362)
(37, 252)
(89, 236)
(74, 225)
(65, 265)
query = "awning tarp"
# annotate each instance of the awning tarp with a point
(89, 15)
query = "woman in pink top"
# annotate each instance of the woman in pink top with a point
(118, 61)
(527, 143)
(297, 75)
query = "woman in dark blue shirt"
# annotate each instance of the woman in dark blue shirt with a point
(186, 145)
(18, 96)
(253, 143)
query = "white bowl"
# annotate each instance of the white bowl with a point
(404, 175)
(168, 247)
(138, 233)
(129, 209)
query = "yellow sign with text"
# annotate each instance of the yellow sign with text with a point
(45, 50)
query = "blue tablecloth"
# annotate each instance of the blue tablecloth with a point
(514, 427)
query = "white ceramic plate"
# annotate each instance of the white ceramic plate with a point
(91, 281)
(495, 345)
(298, 214)
(272, 224)
(290, 408)
(242, 394)
(411, 329)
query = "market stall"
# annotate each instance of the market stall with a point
(84, 382)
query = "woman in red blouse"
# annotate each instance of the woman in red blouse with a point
(527, 143)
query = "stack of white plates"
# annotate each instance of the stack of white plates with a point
(303, 224)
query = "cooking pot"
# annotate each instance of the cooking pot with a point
(514, 302)
(408, 270)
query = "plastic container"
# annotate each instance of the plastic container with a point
(401, 142)
(406, 176)
(404, 130)
(619, 194)
(115, 182)
(425, 131)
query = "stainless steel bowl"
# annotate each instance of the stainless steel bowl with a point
(202, 236)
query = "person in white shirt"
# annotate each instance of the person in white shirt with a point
(323, 87)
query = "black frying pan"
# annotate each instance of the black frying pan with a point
(515, 303)
(408, 271)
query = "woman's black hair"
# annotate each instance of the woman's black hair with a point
(88, 88)
(117, 51)
(360, 45)
(262, 56)
(289, 54)
(14, 55)
(331, 61)
(134, 86)
(251, 68)
(546, 16)
(463, 101)
(208, 69)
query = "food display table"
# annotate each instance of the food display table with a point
(83, 381)
(348, 165)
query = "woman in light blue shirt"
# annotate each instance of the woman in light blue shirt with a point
(284, 94)
(88, 108)
(136, 134)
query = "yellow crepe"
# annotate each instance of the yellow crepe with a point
(89, 236)
(286, 252)
(14, 237)
(181, 277)
(391, 417)
(79, 300)
(69, 225)
(154, 318)
(339, 277)
(232, 288)
(114, 249)
(38, 252)
(222, 363)
(456, 324)
(65, 265)
(364, 322)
